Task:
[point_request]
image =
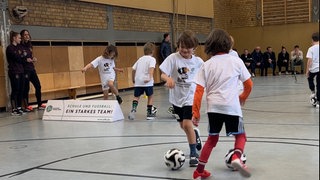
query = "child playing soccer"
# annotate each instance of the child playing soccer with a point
(142, 76)
(106, 66)
(178, 71)
(312, 69)
(219, 76)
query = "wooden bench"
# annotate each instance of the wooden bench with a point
(72, 90)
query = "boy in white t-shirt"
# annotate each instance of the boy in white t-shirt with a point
(312, 69)
(219, 77)
(142, 76)
(178, 71)
(106, 66)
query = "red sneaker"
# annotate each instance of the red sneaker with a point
(42, 107)
(242, 168)
(204, 174)
(30, 108)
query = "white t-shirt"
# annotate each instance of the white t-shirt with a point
(220, 76)
(183, 72)
(106, 70)
(142, 67)
(313, 53)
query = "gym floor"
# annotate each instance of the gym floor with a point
(282, 129)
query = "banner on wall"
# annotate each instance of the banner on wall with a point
(83, 110)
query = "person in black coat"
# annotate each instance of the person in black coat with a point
(269, 60)
(247, 60)
(15, 71)
(283, 60)
(257, 57)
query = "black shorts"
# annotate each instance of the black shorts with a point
(182, 113)
(233, 124)
(138, 91)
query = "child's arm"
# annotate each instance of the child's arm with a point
(88, 66)
(169, 81)
(118, 69)
(151, 70)
(308, 66)
(247, 87)
(197, 104)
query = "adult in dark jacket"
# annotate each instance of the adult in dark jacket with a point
(269, 60)
(257, 57)
(283, 60)
(247, 60)
(15, 71)
(165, 47)
(30, 71)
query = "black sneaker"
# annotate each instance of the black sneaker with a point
(193, 161)
(151, 116)
(119, 99)
(198, 140)
(15, 112)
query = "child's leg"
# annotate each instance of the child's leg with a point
(206, 151)
(105, 94)
(187, 127)
(135, 103)
(240, 141)
(113, 89)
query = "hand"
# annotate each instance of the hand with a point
(29, 60)
(195, 121)
(83, 70)
(34, 59)
(170, 83)
(121, 70)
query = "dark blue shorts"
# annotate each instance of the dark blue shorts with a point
(138, 91)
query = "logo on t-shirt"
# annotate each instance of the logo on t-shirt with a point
(183, 74)
(107, 67)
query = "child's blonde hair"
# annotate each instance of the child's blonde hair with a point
(148, 48)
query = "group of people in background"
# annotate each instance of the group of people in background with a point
(187, 77)
(21, 72)
(268, 59)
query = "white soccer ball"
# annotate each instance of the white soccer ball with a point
(227, 158)
(174, 159)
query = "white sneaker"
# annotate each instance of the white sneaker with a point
(132, 114)
(242, 168)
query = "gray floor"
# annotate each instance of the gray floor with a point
(282, 129)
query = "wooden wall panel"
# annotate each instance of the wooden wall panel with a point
(2, 73)
(131, 56)
(75, 56)
(77, 78)
(46, 81)
(89, 54)
(3, 94)
(44, 57)
(61, 79)
(122, 56)
(60, 61)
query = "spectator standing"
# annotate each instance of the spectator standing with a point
(30, 72)
(16, 72)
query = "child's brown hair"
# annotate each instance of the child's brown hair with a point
(109, 49)
(218, 41)
(188, 39)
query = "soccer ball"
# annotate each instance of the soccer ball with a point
(174, 159)
(227, 158)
